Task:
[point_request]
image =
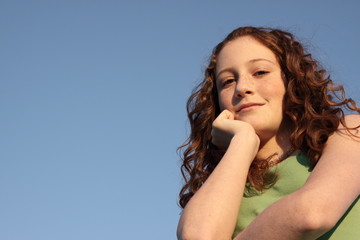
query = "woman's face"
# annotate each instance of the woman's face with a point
(250, 84)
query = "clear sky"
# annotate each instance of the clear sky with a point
(92, 104)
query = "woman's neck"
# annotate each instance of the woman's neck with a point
(278, 146)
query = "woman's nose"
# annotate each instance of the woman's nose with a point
(244, 86)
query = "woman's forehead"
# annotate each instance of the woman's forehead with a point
(244, 50)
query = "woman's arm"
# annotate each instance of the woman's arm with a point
(329, 191)
(212, 211)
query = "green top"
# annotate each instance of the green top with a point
(292, 174)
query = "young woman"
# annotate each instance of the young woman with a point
(271, 154)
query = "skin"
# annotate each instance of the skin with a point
(247, 72)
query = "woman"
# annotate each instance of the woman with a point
(271, 154)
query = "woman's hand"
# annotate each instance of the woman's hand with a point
(225, 127)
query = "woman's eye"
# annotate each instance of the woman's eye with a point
(228, 81)
(260, 73)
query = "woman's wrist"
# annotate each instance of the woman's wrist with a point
(244, 148)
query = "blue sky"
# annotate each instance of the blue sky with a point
(92, 103)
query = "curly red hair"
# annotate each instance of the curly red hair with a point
(313, 104)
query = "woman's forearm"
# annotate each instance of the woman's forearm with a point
(212, 211)
(289, 218)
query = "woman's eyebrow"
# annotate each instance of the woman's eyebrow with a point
(229, 69)
(261, 59)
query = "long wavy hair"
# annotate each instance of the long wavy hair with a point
(313, 104)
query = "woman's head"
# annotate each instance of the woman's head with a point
(308, 91)
(304, 89)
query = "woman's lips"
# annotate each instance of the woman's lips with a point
(248, 106)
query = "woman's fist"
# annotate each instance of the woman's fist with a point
(225, 127)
